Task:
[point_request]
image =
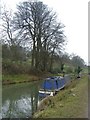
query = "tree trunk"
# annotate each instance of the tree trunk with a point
(51, 61)
(33, 54)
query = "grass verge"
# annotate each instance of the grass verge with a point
(20, 78)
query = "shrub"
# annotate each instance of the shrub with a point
(56, 70)
(69, 70)
(14, 67)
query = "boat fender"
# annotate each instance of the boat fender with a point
(51, 94)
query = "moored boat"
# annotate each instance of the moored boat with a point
(51, 86)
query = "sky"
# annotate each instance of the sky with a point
(74, 15)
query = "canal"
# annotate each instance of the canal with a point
(20, 100)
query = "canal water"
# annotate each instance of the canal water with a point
(20, 100)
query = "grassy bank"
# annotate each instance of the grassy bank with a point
(11, 79)
(20, 78)
(71, 102)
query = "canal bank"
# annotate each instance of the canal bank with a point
(22, 78)
(72, 102)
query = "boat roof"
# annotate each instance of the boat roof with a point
(54, 78)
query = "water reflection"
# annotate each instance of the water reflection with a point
(20, 101)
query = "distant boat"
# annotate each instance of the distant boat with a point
(51, 86)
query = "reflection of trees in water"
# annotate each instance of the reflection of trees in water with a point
(24, 107)
(20, 101)
(34, 102)
(7, 110)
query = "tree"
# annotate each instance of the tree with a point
(78, 70)
(6, 27)
(5, 50)
(77, 61)
(38, 24)
(10, 39)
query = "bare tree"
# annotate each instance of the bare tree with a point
(38, 22)
(10, 37)
(6, 27)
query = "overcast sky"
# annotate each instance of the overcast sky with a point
(74, 15)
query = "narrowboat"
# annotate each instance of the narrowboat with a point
(51, 86)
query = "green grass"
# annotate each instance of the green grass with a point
(18, 78)
(69, 103)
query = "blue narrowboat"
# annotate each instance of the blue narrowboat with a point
(51, 85)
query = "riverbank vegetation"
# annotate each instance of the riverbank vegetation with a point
(14, 71)
(72, 102)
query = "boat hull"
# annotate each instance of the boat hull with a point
(51, 93)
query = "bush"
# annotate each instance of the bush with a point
(13, 67)
(56, 70)
(34, 71)
(69, 70)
